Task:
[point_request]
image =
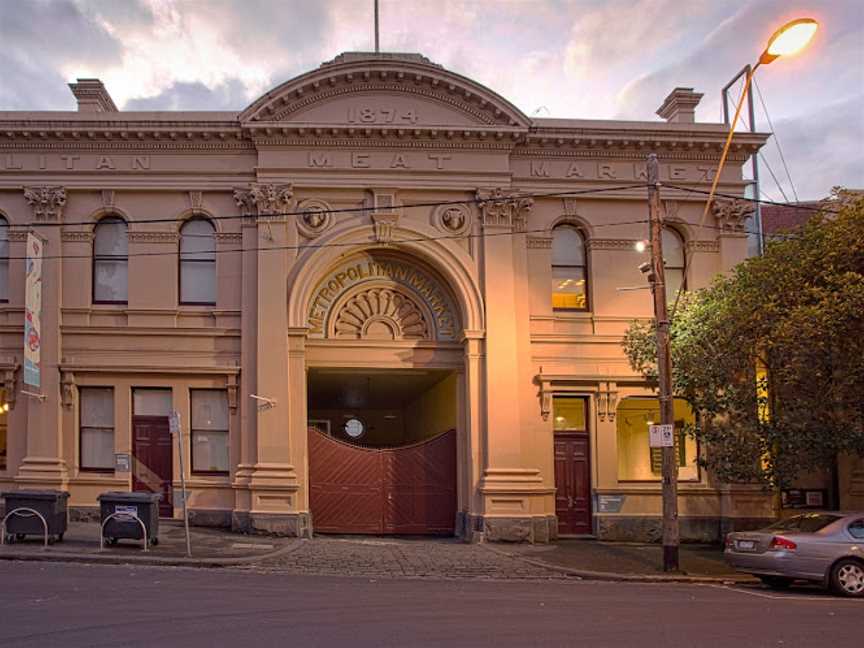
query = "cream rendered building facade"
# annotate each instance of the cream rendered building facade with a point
(378, 228)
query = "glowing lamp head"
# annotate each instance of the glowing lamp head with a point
(641, 246)
(789, 39)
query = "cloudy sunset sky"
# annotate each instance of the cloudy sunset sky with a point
(559, 58)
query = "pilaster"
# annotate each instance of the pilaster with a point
(43, 465)
(269, 472)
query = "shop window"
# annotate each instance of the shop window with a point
(569, 269)
(209, 430)
(4, 435)
(198, 262)
(637, 461)
(97, 428)
(110, 261)
(569, 413)
(4, 260)
(675, 263)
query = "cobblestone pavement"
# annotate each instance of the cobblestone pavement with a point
(401, 558)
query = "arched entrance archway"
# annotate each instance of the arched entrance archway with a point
(387, 397)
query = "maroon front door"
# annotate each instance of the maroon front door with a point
(573, 482)
(152, 469)
(409, 490)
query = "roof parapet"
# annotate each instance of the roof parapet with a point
(92, 96)
(680, 106)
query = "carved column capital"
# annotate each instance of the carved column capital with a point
(731, 214)
(47, 202)
(500, 208)
(265, 200)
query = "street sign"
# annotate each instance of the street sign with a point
(174, 422)
(661, 436)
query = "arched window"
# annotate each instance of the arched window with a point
(569, 269)
(675, 263)
(4, 260)
(198, 262)
(110, 261)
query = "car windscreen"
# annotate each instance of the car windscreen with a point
(806, 523)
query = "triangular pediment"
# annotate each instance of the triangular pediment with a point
(358, 90)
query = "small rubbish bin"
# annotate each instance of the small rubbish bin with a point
(50, 504)
(125, 507)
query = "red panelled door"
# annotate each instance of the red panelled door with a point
(573, 482)
(409, 490)
(152, 468)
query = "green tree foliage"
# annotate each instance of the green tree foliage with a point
(798, 311)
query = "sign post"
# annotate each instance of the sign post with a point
(177, 431)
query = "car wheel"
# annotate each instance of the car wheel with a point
(847, 578)
(776, 582)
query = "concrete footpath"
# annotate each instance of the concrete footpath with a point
(210, 547)
(383, 557)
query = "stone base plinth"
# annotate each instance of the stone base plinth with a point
(536, 529)
(623, 528)
(216, 518)
(295, 525)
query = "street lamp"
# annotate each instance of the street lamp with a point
(789, 39)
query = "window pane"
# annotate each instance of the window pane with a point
(97, 407)
(568, 288)
(673, 248)
(198, 282)
(198, 240)
(209, 451)
(110, 280)
(111, 238)
(856, 529)
(637, 461)
(209, 409)
(569, 413)
(151, 402)
(674, 283)
(97, 448)
(568, 247)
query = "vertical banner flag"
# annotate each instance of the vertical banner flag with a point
(32, 311)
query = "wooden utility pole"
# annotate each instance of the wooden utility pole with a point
(664, 368)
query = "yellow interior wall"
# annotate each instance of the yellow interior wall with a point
(433, 412)
(634, 454)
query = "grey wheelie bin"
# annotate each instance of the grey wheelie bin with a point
(123, 509)
(21, 521)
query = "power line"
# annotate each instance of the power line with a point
(776, 181)
(343, 210)
(776, 140)
(791, 205)
(316, 246)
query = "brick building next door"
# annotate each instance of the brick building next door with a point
(573, 482)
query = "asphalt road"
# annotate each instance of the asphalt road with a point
(54, 604)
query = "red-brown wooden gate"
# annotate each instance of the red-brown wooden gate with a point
(409, 490)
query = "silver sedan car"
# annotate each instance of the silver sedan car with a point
(819, 547)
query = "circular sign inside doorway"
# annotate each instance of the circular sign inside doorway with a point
(354, 428)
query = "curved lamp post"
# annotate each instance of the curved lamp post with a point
(789, 39)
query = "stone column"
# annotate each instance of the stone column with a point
(272, 479)
(43, 465)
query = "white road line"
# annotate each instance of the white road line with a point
(822, 599)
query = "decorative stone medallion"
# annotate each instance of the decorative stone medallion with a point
(315, 217)
(452, 219)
